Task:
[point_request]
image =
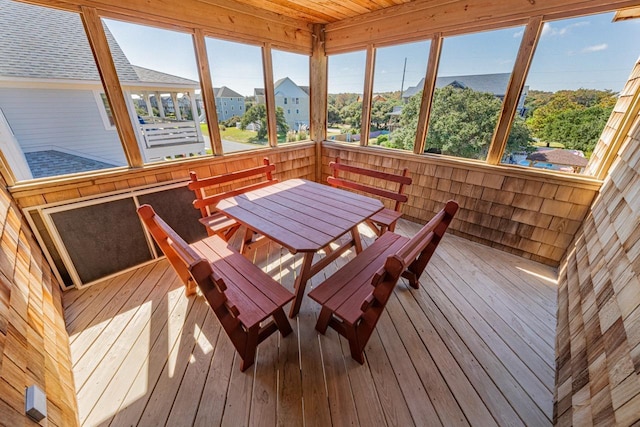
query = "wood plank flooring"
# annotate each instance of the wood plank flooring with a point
(473, 346)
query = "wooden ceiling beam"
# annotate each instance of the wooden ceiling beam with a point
(424, 18)
(248, 23)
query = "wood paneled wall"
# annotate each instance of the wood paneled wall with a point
(598, 338)
(292, 161)
(530, 214)
(34, 345)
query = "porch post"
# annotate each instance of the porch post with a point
(194, 113)
(160, 106)
(147, 101)
(176, 107)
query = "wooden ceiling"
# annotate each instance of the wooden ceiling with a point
(321, 11)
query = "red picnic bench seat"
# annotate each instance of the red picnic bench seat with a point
(241, 295)
(214, 221)
(354, 297)
(386, 219)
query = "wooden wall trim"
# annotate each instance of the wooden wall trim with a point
(141, 176)
(220, 18)
(514, 89)
(208, 96)
(269, 95)
(422, 19)
(365, 122)
(580, 181)
(427, 93)
(111, 84)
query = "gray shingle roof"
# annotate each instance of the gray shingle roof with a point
(225, 92)
(152, 76)
(44, 43)
(492, 83)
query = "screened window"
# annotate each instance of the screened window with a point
(291, 86)
(346, 86)
(472, 79)
(579, 67)
(398, 77)
(236, 73)
(158, 73)
(53, 120)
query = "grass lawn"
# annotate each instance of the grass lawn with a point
(239, 135)
(551, 145)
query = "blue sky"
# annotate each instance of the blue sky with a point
(589, 52)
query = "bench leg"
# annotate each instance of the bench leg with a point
(354, 346)
(283, 323)
(323, 320)
(250, 349)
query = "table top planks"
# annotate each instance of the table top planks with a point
(301, 215)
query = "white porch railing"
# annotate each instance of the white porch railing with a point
(169, 133)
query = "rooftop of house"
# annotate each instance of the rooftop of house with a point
(492, 83)
(57, 49)
(225, 92)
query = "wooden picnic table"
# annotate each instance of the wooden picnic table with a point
(303, 216)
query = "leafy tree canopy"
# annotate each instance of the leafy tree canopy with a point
(462, 123)
(573, 118)
(258, 114)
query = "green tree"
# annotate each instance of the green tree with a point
(380, 113)
(258, 114)
(573, 118)
(462, 124)
(352, 115)
(333, 115)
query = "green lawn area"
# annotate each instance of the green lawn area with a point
(239, 135)
(552, 144)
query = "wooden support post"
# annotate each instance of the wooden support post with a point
(208, 97)
(516, 83)
(113, 90)
(367, 95)
(269, 95)
(427, 93)
(147, 102)
(318, 90)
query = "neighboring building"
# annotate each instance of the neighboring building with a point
(491, 83)
(229, 103)
(53, 111)
(293, 99)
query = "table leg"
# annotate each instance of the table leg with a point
(356, 239)
(301, 283)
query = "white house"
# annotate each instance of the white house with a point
(54, 116)
(293, 99)
(229, 103)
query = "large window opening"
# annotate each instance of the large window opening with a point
(158, 74)
(473, 76)
(291, 86)
(53, 120)
(393, 118)
(238, 81)
(579, 68)
(346, 87)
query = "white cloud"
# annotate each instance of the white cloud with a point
(518, 34)
(595, 48)
(550, 30)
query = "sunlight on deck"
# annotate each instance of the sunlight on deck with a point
(474, 345)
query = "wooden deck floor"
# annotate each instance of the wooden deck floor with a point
(475, 345)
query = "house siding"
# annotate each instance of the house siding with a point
(70, 120)
(229, 107)
(598, 334)
(289, 90)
